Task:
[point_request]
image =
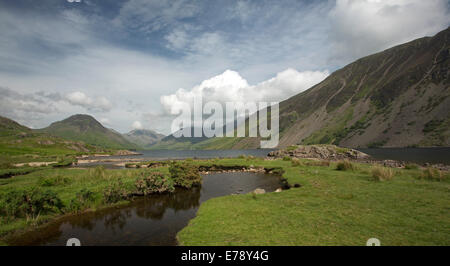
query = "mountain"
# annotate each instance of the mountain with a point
(8, 127)
(143, 137)
(181, 143)
(18, 140)
(85, 128)
(395, 98)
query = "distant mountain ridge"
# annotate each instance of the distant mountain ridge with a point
(86, 128)
(16, 139)
(395, 98)
(143, 137)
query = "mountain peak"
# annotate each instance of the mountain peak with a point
(86, 128)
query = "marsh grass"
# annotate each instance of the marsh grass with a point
(345, 165)
(432, 174)
(380, 173)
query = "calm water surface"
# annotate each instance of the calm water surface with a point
(153, 220)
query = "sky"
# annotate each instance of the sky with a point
(130, 63)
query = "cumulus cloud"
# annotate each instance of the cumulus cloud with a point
(81, 99)
(137, 125)
(231, 87)
(359, 28)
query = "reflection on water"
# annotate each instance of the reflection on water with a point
(153, 220)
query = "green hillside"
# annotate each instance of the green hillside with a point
(395, 98)
(85, 128)
(21, 144)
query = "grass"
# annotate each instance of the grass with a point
(330, 208)
(380, 173)
(345, 165)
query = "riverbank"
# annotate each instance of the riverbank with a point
(327, 207)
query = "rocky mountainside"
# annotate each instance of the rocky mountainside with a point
(85, 128)
(395, 98)
(143, 137)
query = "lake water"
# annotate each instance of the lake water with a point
(195, 154)
(151, 220)
(416, 155)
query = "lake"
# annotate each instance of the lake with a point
(195, 154)
(151, 220)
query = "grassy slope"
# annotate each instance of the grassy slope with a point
(19, 144)
(331, 208)
(85, 128)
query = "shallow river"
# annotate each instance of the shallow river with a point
(153, 220)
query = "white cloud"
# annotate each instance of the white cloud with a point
(231, 87)
(81, 99)
(137, 125)
(359, 28)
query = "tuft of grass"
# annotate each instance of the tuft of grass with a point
(380, 173)
(345, 165)
(411, 166)
(432, 174)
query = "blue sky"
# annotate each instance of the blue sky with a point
(129, 62)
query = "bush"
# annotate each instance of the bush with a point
(411, 166)
(345, 165)
(432, 174)
(29, 203)
(82, 199)
(115, 192)
(156, 182)
(53, 181)
(286, 158)
(380, 173)
(184, 174)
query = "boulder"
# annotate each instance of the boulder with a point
(259, 191)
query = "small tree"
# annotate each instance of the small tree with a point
(185, 174)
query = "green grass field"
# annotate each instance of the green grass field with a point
(330, 208)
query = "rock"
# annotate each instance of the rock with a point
(259, 191)
(278, 190)
(324, 152)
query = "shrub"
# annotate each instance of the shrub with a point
(81, 200)
(380, 173)
(53, 181)
(345, 165)
(115, 192)
(286, 158)
(30, 203)
(184, 174)
(411, 166)
(156, 182)
(432, 174)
